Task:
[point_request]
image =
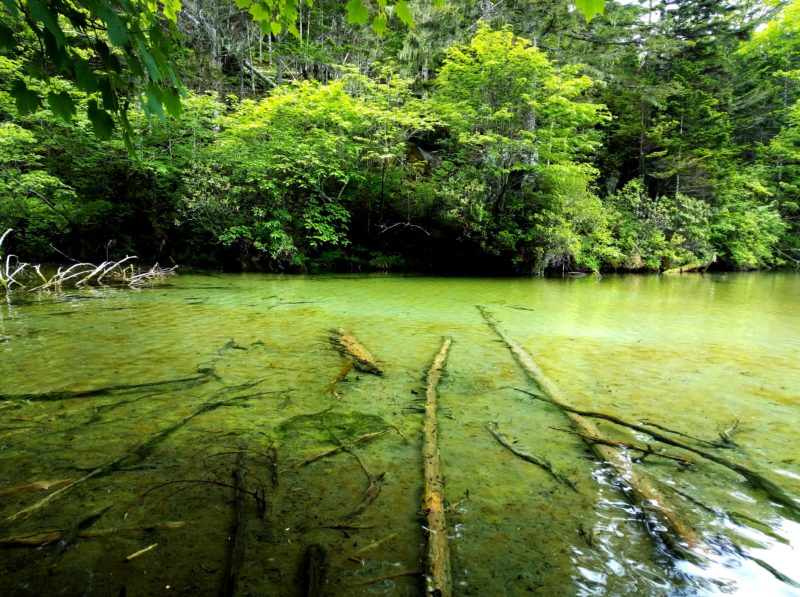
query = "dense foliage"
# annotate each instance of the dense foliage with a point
(460, 136)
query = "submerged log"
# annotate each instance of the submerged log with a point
(354, 351)
(677, 533)
(438, 577)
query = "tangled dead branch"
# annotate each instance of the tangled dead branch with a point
(15, 273)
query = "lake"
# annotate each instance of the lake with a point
(209, 428)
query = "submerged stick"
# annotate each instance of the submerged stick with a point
(136, 554)
(343, 447)
(438, 577)
(677, 533)
(354, 351)
(199, 378)
(528, 457)
(136, 454)
(38, 538)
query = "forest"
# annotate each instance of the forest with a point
(516, 136)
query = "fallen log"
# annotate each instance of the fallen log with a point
(756, 479)
(438, 576)
(354, 351)
(677, 533)
(528, 457)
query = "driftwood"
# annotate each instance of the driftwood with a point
(136, 454)
(314, 570)
(677, 533)
(354, 351)
(528, 457)
(236, 552)
(438, 576)
(756, 479)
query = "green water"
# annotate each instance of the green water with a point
(695, 354)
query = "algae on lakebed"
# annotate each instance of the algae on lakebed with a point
(693, 353)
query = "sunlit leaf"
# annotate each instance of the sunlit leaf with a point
(357, 13)
(589, 8)
(379, 24)
(404, 13)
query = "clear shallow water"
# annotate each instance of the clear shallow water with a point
(693, 353)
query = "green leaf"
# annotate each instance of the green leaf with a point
(379, 24)
(61, 104)
(171, 9)
(404, 13)
(109, 60)
(102, 123)
(357, 13)
(56, 52)
(85, 80)
(117, 33)
(153, 95)
(591, 7)
(27, 101)
(243, 3)
(260, 12)
(12, 8)
(110, 100)
(7, 37)
(149, 61)
(275, 27)
(172, 101)
(42, 13)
